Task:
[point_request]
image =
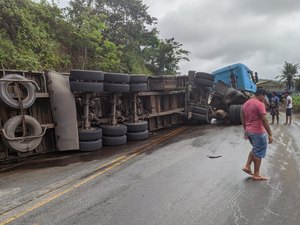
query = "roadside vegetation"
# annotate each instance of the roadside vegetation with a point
(296, 102)
(289, 76)
(118, 36)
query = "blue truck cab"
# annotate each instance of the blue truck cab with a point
(238, 76)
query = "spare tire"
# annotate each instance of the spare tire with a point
(33, 127)
(9, 100)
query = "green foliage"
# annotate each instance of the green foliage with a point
(296, 102)
(26, 42)
(288, 75)
(88, 47)
(163, 57)
(297, 84)
(109, 35)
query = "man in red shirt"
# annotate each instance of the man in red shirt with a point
(256, 127)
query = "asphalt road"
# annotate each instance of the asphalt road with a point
(173, 182)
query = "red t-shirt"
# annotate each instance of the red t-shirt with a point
(253, 110)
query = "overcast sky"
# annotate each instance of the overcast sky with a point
(259, 33)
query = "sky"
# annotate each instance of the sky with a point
(262, 34)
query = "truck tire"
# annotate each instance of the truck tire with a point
(206, 76)
(137, 127)
(135, 88)
(136, 136)
(89, 146)
(203, 82)
(86, 86)
(86, 75)
(33, 127)
(92, 134)
(235, 114)
(232, 95)
(238, 111)
(117, 130)
(116, 88)
(138, 79)
(202, 118)
(12, 102)
(114, 141)
(199, 110)
(116, 78)
(231, 112)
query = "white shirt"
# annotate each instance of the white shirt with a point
(289, 106)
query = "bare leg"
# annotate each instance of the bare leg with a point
(286, 120)
(277, 119)
(257, 163)
(290, 120)
(249, 161)
(273, 117)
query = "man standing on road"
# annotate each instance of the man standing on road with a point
(274, 107)
(289, 106)
(256, 128)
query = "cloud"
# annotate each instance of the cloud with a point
(261, 34)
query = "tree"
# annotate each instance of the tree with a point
(108, 35)
(89, 49)
(26, 41)
(164, 56)
(129, 26)
(288, 75)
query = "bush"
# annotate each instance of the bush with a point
(296, 102)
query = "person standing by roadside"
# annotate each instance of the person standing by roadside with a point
(289, 106)
(256, 128)
(274, 107)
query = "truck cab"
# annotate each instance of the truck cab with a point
(238, 76)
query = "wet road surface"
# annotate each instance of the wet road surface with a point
(174, 182)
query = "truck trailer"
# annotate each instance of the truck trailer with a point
(85, 110)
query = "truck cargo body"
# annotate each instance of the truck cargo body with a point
(60, 112)
(84, 110)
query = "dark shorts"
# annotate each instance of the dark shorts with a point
(259, 143)
(274, 111)
(288, 112)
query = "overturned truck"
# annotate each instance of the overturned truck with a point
(85, 110)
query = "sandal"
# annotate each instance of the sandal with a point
(247, 171)
(260, 178)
